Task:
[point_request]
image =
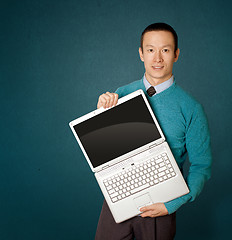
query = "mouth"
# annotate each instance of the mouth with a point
(157, 67)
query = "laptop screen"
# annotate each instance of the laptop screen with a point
(117, 131)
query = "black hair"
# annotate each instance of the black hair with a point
(160, 27)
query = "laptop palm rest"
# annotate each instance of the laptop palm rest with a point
(143, 200)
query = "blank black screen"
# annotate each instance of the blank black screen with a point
(117, 131)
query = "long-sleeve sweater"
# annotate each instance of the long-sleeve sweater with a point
(184, 124)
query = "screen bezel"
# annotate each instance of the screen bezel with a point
(124, 156)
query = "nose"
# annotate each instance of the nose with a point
(158, 57)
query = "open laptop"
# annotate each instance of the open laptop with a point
(126, 149)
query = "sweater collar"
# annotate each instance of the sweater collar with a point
(160, 87)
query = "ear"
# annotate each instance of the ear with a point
(141, 54)
(177, 53)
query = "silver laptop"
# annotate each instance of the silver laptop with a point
(126, 149)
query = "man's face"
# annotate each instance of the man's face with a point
(158, 56)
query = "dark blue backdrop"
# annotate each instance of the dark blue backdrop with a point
(56, 58)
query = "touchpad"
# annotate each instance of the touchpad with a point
(143, 200)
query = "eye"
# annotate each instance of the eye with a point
(165, 50)
(150, 50)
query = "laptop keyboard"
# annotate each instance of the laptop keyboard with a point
(137, 178)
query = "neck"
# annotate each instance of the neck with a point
(155, 81)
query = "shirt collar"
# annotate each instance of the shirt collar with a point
(160, 87)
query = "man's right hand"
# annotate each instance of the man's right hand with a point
(107, 100)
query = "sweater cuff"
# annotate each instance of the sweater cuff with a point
(173, 205)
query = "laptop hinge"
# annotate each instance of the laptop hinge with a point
(157, 143)
(153, 145)
(105, 167)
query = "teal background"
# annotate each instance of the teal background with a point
(56, 58)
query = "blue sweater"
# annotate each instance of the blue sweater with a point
(185, 127)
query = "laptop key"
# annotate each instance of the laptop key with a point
(139, 188)
(142, 176)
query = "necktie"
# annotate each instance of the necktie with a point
(151, 91)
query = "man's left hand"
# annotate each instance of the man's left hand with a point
(154, 210)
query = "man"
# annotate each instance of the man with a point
(184, 124)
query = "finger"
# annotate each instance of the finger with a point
(110, 99)
(152, 214)
(147, 208)
(115, 99)
(102, 101)
(107, 98)
(153, 207)
(148, 214)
